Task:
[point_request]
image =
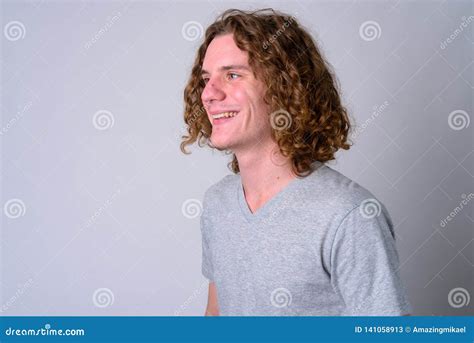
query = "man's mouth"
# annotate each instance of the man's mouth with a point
(223, 117)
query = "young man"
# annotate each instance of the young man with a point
(285, 234)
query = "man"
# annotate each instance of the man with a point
(286, 234)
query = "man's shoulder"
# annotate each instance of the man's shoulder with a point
(222, 188)
(331, 187)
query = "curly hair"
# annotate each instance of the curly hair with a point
(309, 123)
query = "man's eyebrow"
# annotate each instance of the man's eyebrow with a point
(229, 67)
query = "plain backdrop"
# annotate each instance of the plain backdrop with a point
(100, 209)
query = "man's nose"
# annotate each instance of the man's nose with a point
(212, 92)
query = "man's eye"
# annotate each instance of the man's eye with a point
(233, 76)
(205, 79)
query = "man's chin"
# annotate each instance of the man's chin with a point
(220, 145)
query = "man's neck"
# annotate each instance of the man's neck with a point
(264, 173)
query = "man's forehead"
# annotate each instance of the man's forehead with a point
(222, 52)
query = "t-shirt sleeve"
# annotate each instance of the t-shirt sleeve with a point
(364, 265)
(206, 267)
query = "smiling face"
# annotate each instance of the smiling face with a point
(233, 91)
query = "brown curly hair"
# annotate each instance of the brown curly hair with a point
(299, 83)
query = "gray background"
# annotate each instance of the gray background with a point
(101, 217)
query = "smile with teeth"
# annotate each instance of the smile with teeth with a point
(224, 115)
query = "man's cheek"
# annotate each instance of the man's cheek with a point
(240, 95)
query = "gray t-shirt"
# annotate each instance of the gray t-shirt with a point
(323, 246)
